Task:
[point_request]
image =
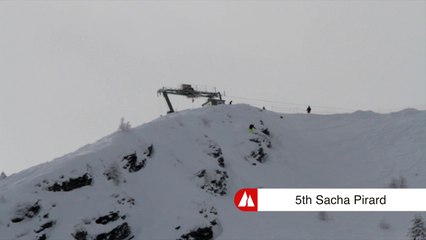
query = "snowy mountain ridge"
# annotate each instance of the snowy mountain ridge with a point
(175, 177)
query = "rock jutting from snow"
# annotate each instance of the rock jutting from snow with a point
(71, 184)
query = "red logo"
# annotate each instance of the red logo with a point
(246, 199)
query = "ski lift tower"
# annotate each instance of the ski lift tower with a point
(213, 97)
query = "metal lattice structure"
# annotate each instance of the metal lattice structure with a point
(213, 97)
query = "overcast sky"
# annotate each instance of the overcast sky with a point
(70, 70)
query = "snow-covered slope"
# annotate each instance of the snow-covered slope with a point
(176, 177)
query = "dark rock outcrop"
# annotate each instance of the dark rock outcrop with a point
(80, 235)
(201, 173)
(216, 153)
(26, 211)
(259, 155)
(111, 217)
(149, 151)
(262, 141)
(42, 237)
(121, 232)
(216, 183)
(133, 163)
(45, 226)
(71, 184)
(205, 233)
(265, 131)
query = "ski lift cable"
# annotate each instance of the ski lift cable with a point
(290, 103)
(420, 106)
(300, 109)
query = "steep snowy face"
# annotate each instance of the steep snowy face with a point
(175, 177)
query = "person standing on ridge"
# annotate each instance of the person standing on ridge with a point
(308, 110)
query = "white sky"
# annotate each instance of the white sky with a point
(70, 70)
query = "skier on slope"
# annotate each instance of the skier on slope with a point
(308, 110)
(251, 128)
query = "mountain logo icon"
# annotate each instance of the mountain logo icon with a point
(246, 199)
